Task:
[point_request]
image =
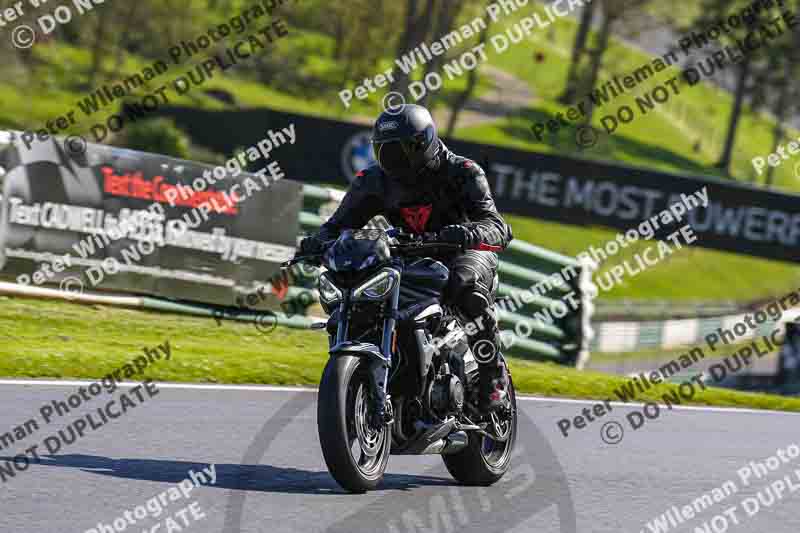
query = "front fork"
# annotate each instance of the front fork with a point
(379, 362)
(379, 370)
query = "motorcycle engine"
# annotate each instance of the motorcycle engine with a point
(446, 395)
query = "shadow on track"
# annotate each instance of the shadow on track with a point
(261, 478)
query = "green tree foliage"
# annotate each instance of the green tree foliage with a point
(754, 64)
(775, 88)
(611, 12)
(158, 135)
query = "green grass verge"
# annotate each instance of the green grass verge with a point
(45, 339)
(555, 381)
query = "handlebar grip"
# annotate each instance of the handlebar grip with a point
(299, 259)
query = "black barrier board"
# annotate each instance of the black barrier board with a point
(185, 237)
(739, 218)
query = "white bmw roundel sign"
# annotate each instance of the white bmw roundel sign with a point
(357, 154)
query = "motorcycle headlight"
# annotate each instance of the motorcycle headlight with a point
(329, 294)
(378, 287)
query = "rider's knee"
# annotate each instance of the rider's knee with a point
(474, 303)
(469, 292)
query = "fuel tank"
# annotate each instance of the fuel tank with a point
(423, 279)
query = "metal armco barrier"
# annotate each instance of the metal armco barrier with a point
(565, 340)
(618, 337)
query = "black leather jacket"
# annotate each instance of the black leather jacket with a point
(454, 193)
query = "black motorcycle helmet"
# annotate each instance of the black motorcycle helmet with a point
(405, 141)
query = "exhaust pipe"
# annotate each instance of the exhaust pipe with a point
(456, 442)
(453, 443)
(437, 440)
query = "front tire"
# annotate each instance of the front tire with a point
(356, 454)
(484, 461)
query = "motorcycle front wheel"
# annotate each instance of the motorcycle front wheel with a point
(356, 453)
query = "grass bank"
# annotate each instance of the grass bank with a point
(44, 339)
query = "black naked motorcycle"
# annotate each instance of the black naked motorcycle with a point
(401, 378)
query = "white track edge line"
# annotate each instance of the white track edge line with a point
(274, 388)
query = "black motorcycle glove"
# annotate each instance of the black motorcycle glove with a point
(458, 234)
(311, 246)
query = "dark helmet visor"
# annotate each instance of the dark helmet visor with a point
(392, 156)
(402, 158)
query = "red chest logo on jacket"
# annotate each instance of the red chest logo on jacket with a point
(417, 217)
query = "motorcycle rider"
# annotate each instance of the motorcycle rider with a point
(421, 186)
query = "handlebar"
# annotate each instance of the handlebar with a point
(411, 248)
(410, 244)
(430, 241)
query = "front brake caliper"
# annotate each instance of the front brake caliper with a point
(381, 406)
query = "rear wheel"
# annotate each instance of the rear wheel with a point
(355, 452)
(485, 460)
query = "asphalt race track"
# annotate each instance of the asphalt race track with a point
(270, 475)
